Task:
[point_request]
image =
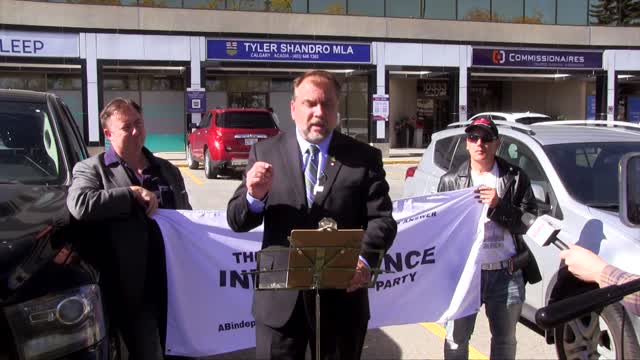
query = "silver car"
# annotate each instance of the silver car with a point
(573, 166)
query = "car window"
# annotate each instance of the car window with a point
(206, 122)
(498, 117)
(461, 154)
(519, 154)
(29, 149)
(589, 171)
(246, 120)
(443, 152)
(531, 120)
(75, 139)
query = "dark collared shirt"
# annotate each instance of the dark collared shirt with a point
(151, 179)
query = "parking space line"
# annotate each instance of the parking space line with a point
(193, 177)
(440, 332)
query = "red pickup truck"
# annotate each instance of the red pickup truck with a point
(223, 138)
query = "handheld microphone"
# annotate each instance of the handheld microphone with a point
(567, 309)
(542, 231)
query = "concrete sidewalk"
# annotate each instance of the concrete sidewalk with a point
(396, 156)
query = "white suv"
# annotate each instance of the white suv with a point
(573, 166)
(526, 118)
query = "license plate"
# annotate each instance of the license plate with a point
(250, 141)
(238, 162)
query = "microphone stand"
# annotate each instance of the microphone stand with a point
(570, 308)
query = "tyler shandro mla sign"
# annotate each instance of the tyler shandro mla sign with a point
(288, 51)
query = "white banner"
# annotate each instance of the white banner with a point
(432, 274)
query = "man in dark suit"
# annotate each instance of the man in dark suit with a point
(293, 181)
(114, 193)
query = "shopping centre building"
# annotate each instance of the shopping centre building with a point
(439, 61)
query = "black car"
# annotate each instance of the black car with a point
(50, 303)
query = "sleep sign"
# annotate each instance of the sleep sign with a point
(20, 46)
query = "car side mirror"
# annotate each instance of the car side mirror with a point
(629, 189)
(538, 193)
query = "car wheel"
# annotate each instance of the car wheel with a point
(190, 162)
(211, 170)
(608, 335)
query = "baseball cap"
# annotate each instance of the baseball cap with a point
(484, 123)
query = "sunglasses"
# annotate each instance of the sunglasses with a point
(485, 138)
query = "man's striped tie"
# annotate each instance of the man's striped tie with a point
(311, 172)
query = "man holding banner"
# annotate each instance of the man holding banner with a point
(505, 260)
(293, 181)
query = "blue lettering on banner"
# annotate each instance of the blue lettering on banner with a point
(20, 46)
(242, 324)
(292, 51)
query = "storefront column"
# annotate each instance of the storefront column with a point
(380, 69)
(611, 94)
(463, 82)
(601, 96)
(88, 50)
(196, 43)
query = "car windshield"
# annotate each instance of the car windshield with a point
(246, 120)
(589, 171)
(532, 119)
(29, 149)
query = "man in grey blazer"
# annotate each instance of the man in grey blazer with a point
(114, 193)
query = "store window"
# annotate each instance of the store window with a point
(281, 85)
(64, 82)
(540, 12)
(402, 8)
(438, 9)
(573, 12)
(120, 82)
(334, 7)
(354, 120)
(215, 85)
(294, 6)
(204, 4)
(507, 11)
(366, 7)
(474, 10)
(251, 5)
(161, 83)
(248, 84)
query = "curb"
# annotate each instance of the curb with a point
(400, 161)
(386, 161)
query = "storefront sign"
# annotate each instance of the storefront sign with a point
(38, 44)
(288, 51)
(535, 58)
(430, 88)
(196, 100)
(381, 107)
(591, 107)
